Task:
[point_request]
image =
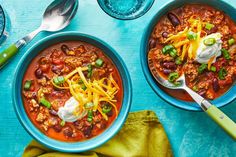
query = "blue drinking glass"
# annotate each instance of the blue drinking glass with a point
(125, 9)
(4, 25)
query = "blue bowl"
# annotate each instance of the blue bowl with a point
(223, 100)
(74, 146)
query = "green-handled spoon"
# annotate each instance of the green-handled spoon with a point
(56, 17)
(212, 111)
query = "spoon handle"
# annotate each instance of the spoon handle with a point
(8, 53)
(222, 120)
(214, 113)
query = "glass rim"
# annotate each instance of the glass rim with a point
(125, 18)
(4, 21)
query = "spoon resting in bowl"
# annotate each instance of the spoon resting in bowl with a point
(56, 17)
(212, 111)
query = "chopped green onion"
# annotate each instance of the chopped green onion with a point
(173, 53)
(88, 105)
(201, 68)
(191, 35)
(59, 80)
(225, 54)
(44, 102)
(89, 70)
(178, 61)
(222, 73)
(209, 26)
(55, 80)
(27, 84)
(83, 87)
(89, 74)
(195, 88)
(90, 116)
(213, 68)
(209, 41)
(173, 76)
(62, 123)
(169, 49)
(106, 108)
(231, 41)
(89, 67)
(89, 119)
(99, 62)
(166, 49)
(90, 113)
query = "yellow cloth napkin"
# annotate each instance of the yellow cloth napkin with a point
(142, 135)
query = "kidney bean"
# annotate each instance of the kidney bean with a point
(169, 65)
(164, 34)
(110, 113)
(213, 30)
(79, 124)
(56, 69)
(167, 71)
(53, 112)
(215, 85)
(67, 131)
(173, 19)
(87, 131)
(57, 127)
(202, 92)
(152, 43)
(38, 73)
(103, 125)
(65, 49)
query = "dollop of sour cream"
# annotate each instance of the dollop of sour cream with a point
(66, 112)
(205, 53)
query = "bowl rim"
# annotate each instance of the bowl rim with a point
(72, 146)
(221, 101)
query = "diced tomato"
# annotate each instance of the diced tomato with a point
(227, 81)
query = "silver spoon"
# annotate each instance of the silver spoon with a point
(57, 16)
(215, 113)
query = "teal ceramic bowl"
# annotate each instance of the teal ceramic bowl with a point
(225, 99)
(75, 146)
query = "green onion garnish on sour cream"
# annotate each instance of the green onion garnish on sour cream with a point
(210, 46)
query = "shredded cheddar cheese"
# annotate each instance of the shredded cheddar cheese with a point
(97, 91)
(210, 62)
(186, 47)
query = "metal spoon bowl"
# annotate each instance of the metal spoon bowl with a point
(56, 17)
(59, 14)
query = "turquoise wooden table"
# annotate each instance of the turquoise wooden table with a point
(190, 133)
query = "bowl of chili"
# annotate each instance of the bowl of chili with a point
(82, 130)
(163, 52)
